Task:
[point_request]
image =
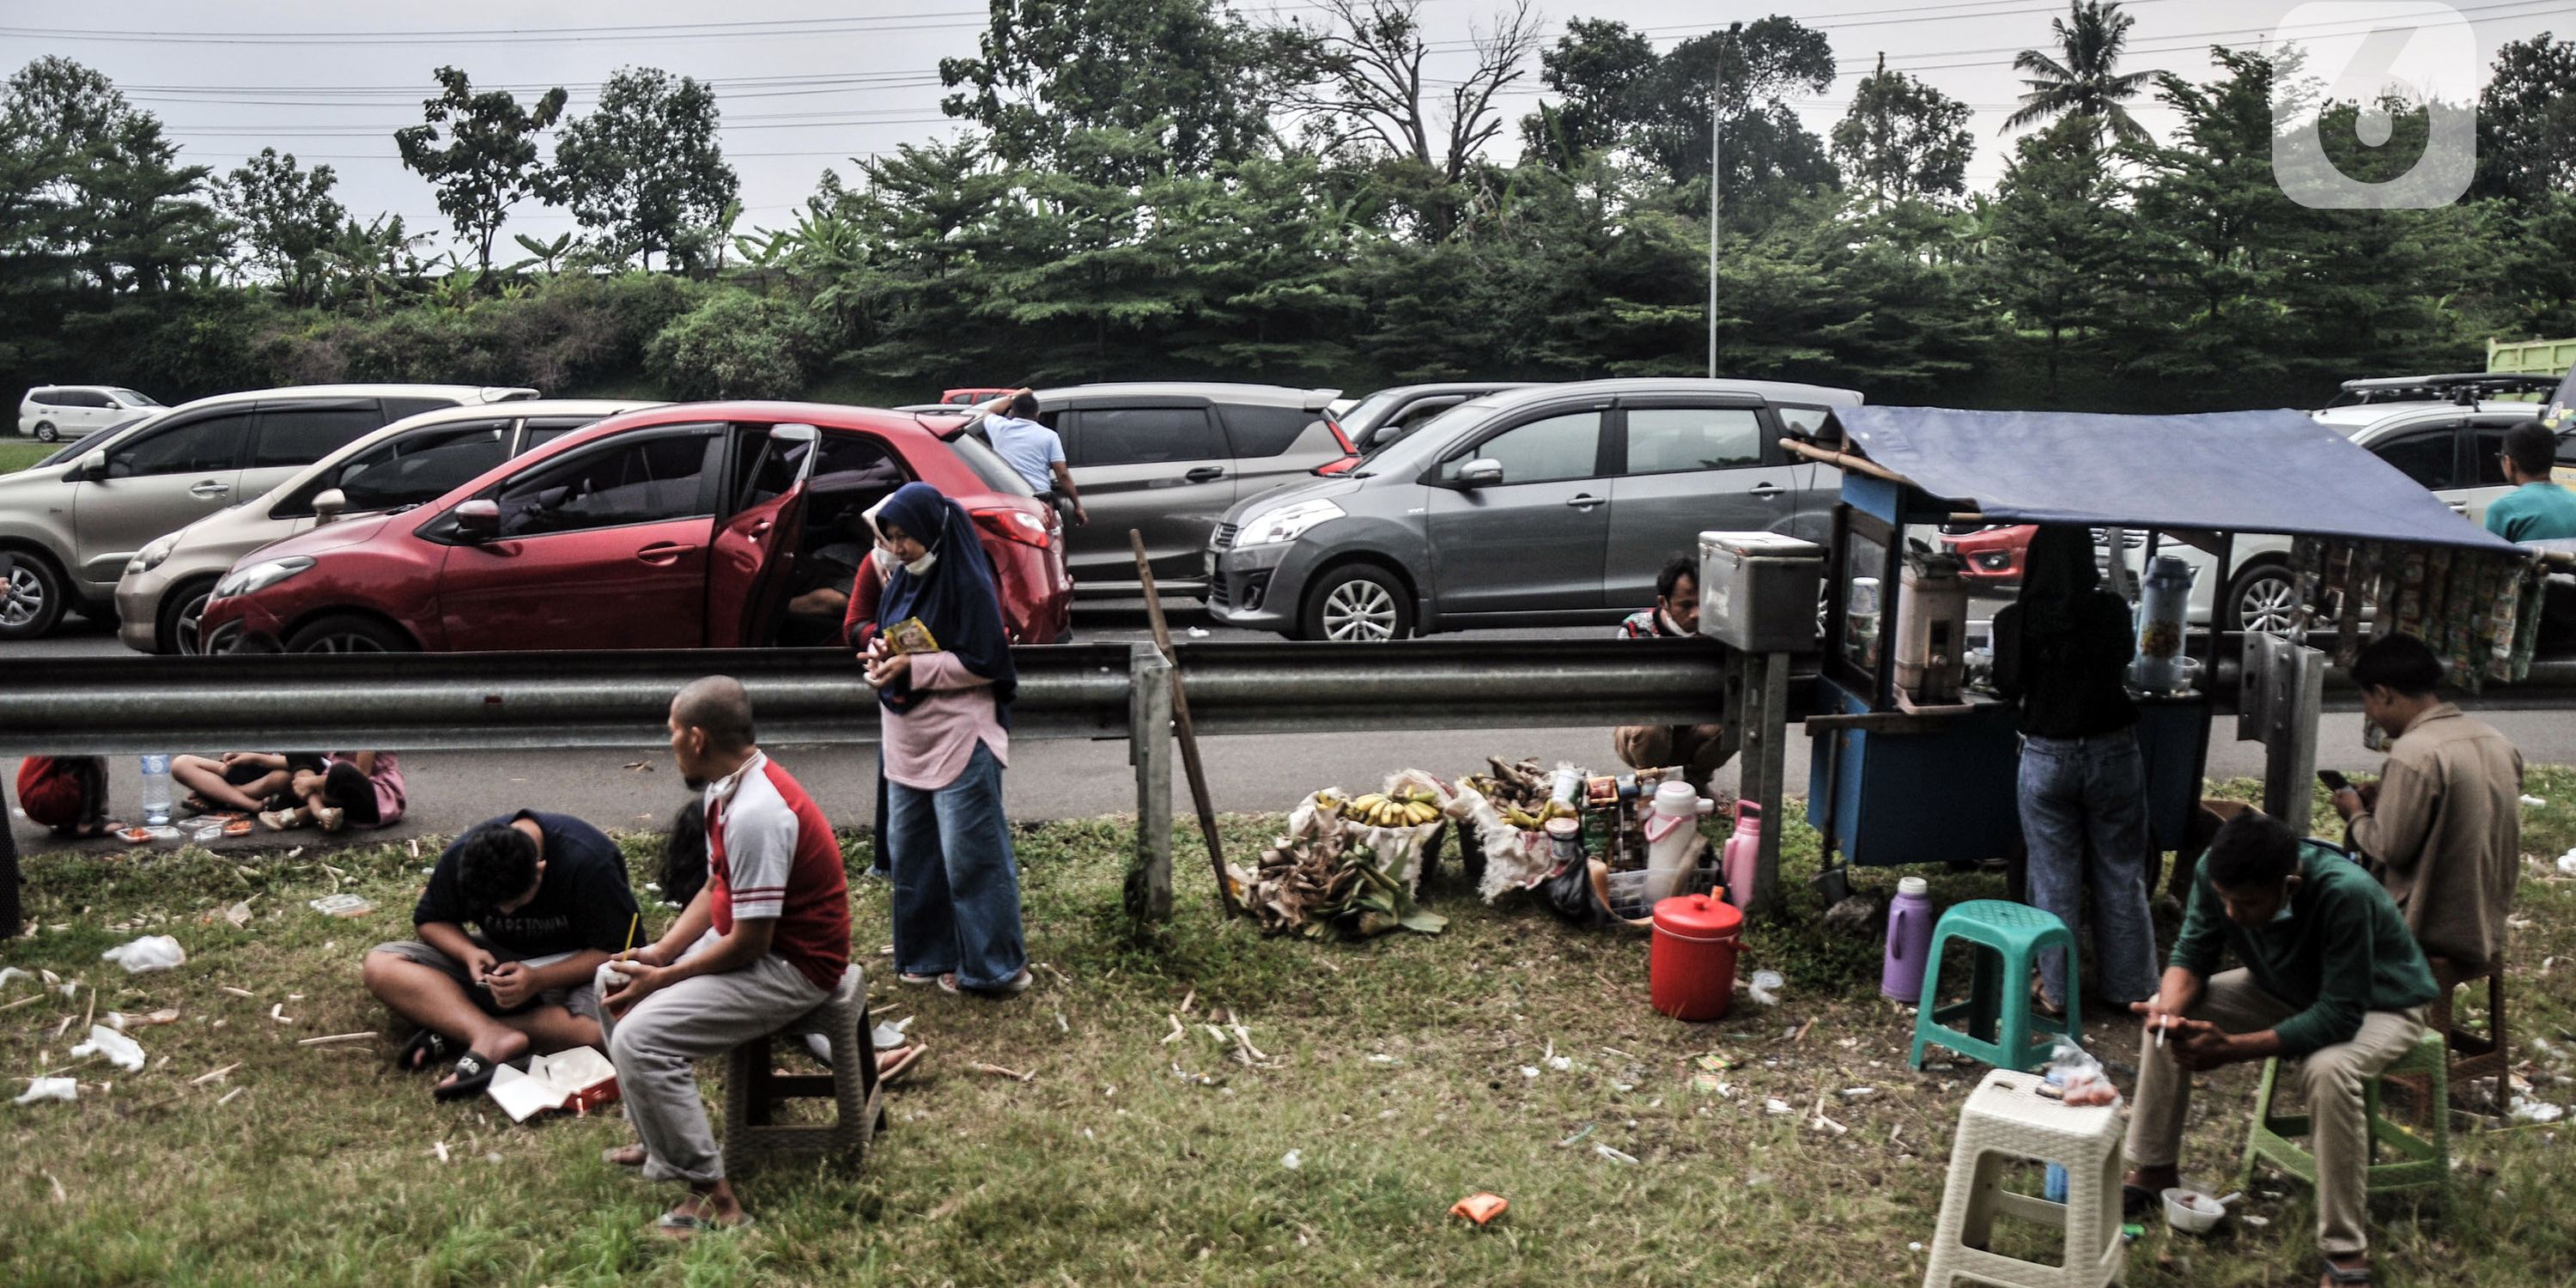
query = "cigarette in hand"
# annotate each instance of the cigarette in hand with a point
(2162, 1022)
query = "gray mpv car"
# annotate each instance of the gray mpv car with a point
(1550, 505)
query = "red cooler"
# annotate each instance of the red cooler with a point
(1691, 973)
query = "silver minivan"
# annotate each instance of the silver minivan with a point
(1167, 458)
(1548, 505)
(72, 530)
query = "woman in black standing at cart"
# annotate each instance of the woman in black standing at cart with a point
(2063, 651)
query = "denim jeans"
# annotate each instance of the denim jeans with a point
(956, 884)
(2075, 790)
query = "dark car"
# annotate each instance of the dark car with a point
(675, 527)
(1168, 458)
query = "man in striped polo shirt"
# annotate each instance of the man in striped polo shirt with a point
(765, 941)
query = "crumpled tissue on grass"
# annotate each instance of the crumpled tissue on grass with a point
(1333, 875)
(151, 952)
(48, 1089)
(123, 1052)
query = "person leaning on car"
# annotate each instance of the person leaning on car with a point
(1035, 452)
(2537, 509)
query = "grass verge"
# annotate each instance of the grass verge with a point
(17, 454)
(1405, 1073)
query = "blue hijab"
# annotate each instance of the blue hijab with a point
(955, 599)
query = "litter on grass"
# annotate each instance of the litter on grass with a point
(151, 952)
(1765, 987)
(8, 973)
(1480, 1208)
(1613, 1155)
(42, 1089)
(1292, 1160)
(123, 1052)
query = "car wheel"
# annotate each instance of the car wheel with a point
(46, 433)
(2263, 598)
(348, 634)
(33, 600)
(223, 639)
(181, 610)
(1358, 604)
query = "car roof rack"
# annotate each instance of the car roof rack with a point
(2464, 387)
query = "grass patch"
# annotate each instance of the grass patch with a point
(17, 453)
(1107, 1168)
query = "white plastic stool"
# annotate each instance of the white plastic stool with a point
(2006, 1119)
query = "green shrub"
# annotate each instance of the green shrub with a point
(737, 345)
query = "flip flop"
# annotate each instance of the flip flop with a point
(904, 1059)
(473, 1075)
(1012, 987)
(616, 1156)
(2342, 1275)
(427, 1047)
(684, 1226)
(917, 979)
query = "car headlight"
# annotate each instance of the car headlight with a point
(260, 576)
(153, 555)
(1286, 523)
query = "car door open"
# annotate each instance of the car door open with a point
(755, 547)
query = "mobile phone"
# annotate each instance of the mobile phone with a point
(2334, 781)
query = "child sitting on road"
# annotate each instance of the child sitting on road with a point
(361, 787)
(65, 793)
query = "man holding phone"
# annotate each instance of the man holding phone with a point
(2443, 829)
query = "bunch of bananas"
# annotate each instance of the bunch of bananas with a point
(1410, 808)
(1535, 819)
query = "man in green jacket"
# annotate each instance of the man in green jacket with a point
(2329, 976)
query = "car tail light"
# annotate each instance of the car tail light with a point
(1015, 525)
(1342, 466)
(1348, 449)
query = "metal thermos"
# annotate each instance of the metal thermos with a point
(1932, 629)
(2162, 600)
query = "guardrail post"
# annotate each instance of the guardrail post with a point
(1149, 748)
(1764, 719)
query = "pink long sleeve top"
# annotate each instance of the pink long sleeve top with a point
(927, 747)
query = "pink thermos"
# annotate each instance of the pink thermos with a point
(1909, 939)
(1736, 865)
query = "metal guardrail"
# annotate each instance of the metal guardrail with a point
(543, 701)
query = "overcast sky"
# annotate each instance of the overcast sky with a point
(805, 84)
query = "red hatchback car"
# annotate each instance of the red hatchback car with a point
(687, 526)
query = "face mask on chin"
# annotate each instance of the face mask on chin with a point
(922, 565)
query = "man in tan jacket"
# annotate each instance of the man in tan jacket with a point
(2443, 832)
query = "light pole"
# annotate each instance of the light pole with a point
(1716, 148)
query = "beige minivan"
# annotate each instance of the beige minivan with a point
(408, 463)
(70, 529)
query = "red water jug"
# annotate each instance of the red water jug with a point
(1690, 972)
(1736, 861)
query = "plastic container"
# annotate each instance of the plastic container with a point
(1743, 847)
(2191, 1211)
(1932, 628)
(156, 790)
(1909, 940)
(1669, 831)
(2162, 599)
(1690, 971)
(1628, 895)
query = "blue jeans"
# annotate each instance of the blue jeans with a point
(2075, 790)
(956, 884)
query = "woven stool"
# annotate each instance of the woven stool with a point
(2005, 1120)
(2422, 1158)
(2008, 937)
(754, 1089)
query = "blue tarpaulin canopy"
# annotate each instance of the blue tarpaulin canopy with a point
(2238, 471)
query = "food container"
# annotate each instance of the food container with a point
(209, 833)
(1757, 590)
(1691, 967)
(2191, 1211)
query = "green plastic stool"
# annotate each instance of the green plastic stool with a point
(2421, 1158)
(2009, 937)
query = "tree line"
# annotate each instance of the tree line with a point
(1168, 189)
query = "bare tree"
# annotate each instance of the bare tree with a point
(1371, 89)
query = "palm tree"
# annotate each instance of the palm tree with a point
(2083, 83)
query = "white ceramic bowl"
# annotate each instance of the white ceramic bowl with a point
(2191, 1211)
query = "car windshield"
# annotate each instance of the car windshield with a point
(1438, 429)
(1372, 409)
(133, 399)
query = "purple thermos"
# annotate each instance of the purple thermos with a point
(1909, 939)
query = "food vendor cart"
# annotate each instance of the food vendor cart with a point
(1908, 769)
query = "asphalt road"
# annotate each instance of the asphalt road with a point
(1052, 780)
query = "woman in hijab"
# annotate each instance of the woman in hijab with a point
(2063, 651)
(946, 704)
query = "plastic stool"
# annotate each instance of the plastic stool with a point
(2006, 1119)
(2423, 1159)
(754, 1090)
(2008, 937)
(2473, 1055)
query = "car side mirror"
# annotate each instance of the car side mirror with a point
(1484, 471)
(330, 503)
(93, 467)
(477, 521)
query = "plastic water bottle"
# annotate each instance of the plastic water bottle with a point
(156, 790)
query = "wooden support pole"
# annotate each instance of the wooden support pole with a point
(1181, 726)
(1149, 745)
